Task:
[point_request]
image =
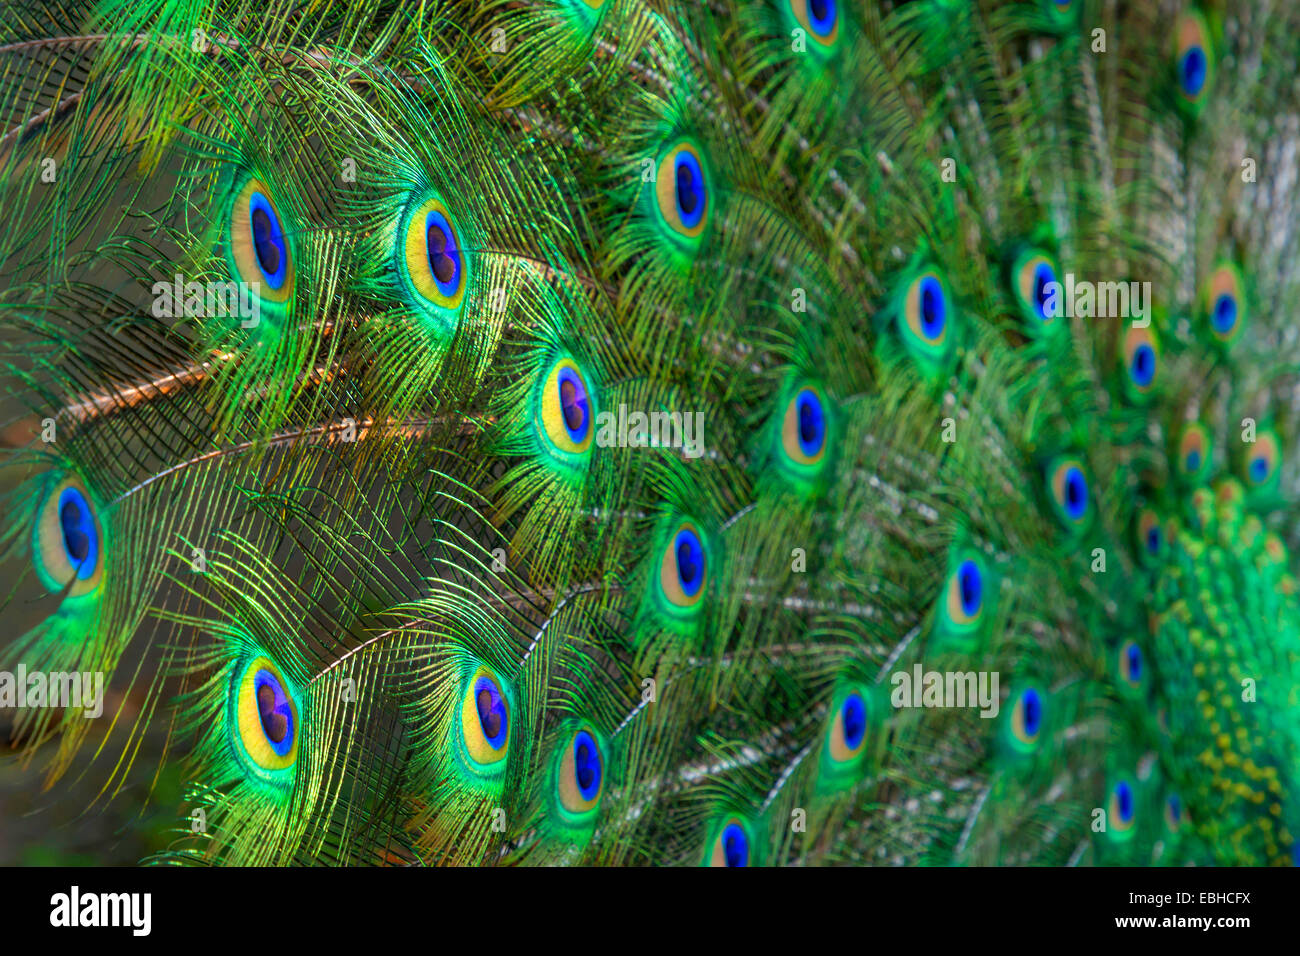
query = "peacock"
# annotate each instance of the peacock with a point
(654, 432)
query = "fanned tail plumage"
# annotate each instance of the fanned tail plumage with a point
(573, 431)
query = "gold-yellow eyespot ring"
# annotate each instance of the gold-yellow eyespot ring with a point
(1027, 719)
(1261, 464)
(925, 310)
(485, 721)
(682, 193)
(430, 256)
(683, 573)
(1194, 58)
(803, 428)
(819, 18)
(266, 721)
(1034, 273)
(68, 543)
(260, 249)
(1141, 359)
(1068, 486)
(1122, 807)
(581, 777)
(1194, 451)
(568, 414)
(1225, 303)
(846, 737)
(965, 592)
(731, 844)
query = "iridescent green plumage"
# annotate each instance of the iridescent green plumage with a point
(562, 432)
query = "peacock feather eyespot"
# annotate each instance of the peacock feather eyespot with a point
(927, 309)
(1194, 60)
(1260, 465)
(1032, 274)
(1141, 360)
(1131, 665)
(804, 427)
(1194, 453)
(820, 20)
(731, 845)
(68, 541)
(579, 777)
(265, 722)
(1150, 537)
(925, 317)
(1223, 304)
(964, 594)
(1027, 720)
(847, 732)
(258, 247)
(566, 417)
(483, 729)
(430, 258)
(1173, 813)
(682, 193)
(1121, 809)
(683, 569)
(966, 599)
(1067, 482)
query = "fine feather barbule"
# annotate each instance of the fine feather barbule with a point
(622, 433)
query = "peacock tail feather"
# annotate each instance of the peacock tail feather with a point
(656, 431)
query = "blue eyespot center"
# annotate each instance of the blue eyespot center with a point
(1044, 275)
(1124, 801)
(444, 257)
(812, 422)
(492, 716)
(268, 240)
(690, 188)
(1224, 315)
(933, 307)
(274, 711)
(690, 562)
(1193, 460)
(1192, 70)
(1144, 365)
(853, 714)
(1175, 809)
(574, 405)
(821, 16)
(970, 585)
(1076, 493)
(735, 845)
(1258, 469)
(1153, 540)
(80, 540)
(586, 765)
(1031, 710)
